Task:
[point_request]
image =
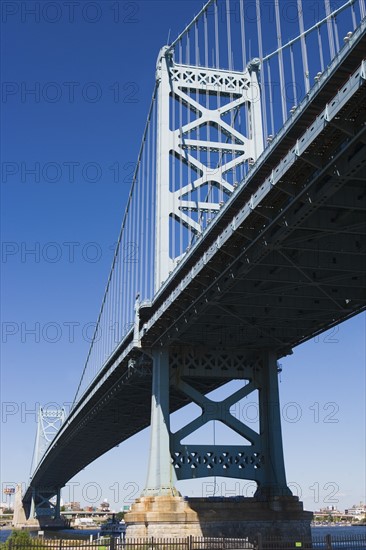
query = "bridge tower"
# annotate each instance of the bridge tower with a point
(183, 368)
(190, 86)
(45, 505)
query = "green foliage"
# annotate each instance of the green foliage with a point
(21, 539)
(120, 516)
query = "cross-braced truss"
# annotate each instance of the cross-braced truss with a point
(196, 460)
(49, 422)
(201, 148)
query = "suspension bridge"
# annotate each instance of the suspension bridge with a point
(242, 237)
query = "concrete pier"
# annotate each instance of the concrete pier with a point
(175, 516)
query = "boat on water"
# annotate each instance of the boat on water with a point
(113, 528)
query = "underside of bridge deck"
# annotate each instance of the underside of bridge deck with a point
(296, 266)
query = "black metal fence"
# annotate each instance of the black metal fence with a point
(328, 542)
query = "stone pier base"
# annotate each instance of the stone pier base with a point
(168, 516)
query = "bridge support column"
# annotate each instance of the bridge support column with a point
(46, 508)
(161, 511)
(32, 513)
(274, 478)
(161, 475)
(58, 504)
(19, 517)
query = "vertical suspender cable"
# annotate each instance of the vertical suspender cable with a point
(142, 231)
(102, 339)
(334, 20)
(110, 320)
(114, 313)
(230, 65)
(112, 323)
(181, 156)
(128, 274)
(207, 93)
(134, 252)
(197, 62)
(188, 151)
(136, 263)
(362, 8)
(139, 266)
(205, 32)
(218, 104)
(119, 290)
(242, 36)
(354, 23)
(116, 308)
(320, 47)
(129, 243)
(280, 62)
(145, 295)
(217, 43)
(293, 77)
(124, 281)
(132, 249)
(304, 53)
(330, 30)
(244, 60)
(153, 201)
(148, 213)
(172, 166)
(104, 327)
(196, 43)
(139, 225)
(108, 334)
(112, 308)
(228, 31)
(260, 50)
(99, 343)
(270, 97)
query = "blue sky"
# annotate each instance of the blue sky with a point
(66, 159)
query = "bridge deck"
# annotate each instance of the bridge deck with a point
(292, 266)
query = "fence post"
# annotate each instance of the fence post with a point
(259, 542)
(328, 542)
(60, 545)
(112, 543)
(189, 542)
